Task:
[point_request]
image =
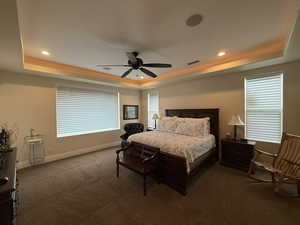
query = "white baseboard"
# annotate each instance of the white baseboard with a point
(51, 158)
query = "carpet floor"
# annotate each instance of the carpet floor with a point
(84, 190)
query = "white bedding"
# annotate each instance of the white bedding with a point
(188, 147)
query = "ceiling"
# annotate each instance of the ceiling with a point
(10, 44)
(86, 33)
(259, 52)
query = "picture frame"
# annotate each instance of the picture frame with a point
(130, 112)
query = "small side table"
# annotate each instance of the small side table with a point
(237, 154)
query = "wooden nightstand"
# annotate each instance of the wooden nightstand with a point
(237, 154)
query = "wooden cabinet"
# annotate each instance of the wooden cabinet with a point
(237, 154)
(8, 190)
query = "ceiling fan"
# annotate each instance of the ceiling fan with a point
(138, 64)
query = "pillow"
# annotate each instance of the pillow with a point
(204, 120)
(167, 124)
(193, 127)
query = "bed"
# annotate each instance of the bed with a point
(181, 156)
(191, 148)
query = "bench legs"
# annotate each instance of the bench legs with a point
(118, 169)
(145, 186)
(144, 179)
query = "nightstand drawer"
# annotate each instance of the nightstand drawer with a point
(237, 151)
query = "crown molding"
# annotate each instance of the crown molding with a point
(263, 52)
(260, 53)
(50, 67)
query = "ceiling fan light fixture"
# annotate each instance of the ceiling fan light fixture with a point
(135, 63)
(140, 76)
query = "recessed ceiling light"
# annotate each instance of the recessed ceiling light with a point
(222, 53)
(194, 20)
(45, 53)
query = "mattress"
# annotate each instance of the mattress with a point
(191, 148)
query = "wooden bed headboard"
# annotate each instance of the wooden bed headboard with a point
(213, 114)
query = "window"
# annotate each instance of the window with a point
(263, 97)
(153, 107)
(83, 111)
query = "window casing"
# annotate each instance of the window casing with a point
(153, 107)
(83, 111)
(264, 108)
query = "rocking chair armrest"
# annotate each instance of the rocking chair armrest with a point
(148, 159)
(293, 163)
(260, 151)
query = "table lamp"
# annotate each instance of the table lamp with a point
(236, 121)
(155, 117)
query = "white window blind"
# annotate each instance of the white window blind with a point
(153, 107)
(264, 108)
(83, 111)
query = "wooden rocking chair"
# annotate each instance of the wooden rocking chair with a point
(285, 165)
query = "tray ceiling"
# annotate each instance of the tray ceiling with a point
(86, 33)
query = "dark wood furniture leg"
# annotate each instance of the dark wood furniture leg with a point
(117, 162)
(118, 170)
(145, 186)
(158, 179)
(298, 188)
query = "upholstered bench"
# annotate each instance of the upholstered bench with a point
(139, 158)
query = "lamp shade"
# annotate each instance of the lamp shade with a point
(236, 121)
(155, 116)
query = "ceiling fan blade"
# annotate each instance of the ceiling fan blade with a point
(131, 57)
(157, 65)
(111, 65)
(126, 73)
(148, 72)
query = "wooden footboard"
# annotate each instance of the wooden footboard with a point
(173, 169)
(173, 172)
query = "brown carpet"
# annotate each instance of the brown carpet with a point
(85, 191)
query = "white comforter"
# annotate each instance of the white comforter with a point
(181, 145)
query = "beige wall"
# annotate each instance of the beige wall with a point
(226, 92)
(29, 102)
